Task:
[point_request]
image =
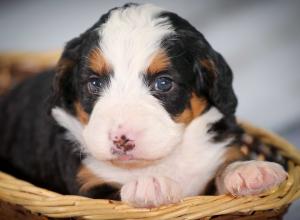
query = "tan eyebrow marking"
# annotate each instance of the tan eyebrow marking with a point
(160, 62)
(98, 63)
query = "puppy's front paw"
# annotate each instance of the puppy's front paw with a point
(252, 177)
(151, 192)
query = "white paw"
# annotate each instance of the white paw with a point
(149, 192)
(252, 177)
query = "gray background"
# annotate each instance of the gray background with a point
(260, 39)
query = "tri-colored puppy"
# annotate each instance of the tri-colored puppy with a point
(143, 105)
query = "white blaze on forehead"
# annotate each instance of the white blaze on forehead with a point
(131, 36)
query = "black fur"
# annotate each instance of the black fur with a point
(31, 143)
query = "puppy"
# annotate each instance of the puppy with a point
(143, 109)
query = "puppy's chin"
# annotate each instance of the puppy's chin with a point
(132, 163)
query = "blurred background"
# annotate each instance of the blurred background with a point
(260, 39)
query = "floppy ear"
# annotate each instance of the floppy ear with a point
(63, 84)
(214, 79)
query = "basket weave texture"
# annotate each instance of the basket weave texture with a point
(270, 205)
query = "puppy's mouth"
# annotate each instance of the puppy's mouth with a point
(130, 162)
(125, 158)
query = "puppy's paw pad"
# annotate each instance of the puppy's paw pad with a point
(253, 177)
(151, 192)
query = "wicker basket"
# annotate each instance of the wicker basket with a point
(15, 67)
(22, 200)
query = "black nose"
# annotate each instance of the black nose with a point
(123, 143)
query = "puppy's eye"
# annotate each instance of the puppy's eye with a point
(94, 85)
(163, 84)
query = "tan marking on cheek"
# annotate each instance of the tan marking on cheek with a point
(185, 117)
(88, 180)
(81, 114)
(209, 65)
(196, 108)
(198, 105)
(97, 62)
(160, 62)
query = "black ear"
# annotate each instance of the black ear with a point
(214, 79)
(63, 88)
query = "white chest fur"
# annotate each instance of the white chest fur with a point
(192, 165)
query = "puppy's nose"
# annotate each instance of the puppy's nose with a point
(123, 143)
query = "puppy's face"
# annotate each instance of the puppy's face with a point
(136, 79)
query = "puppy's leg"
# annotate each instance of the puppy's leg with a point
(243, 178)
(151, 192)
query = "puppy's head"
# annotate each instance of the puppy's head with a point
(136, 79)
